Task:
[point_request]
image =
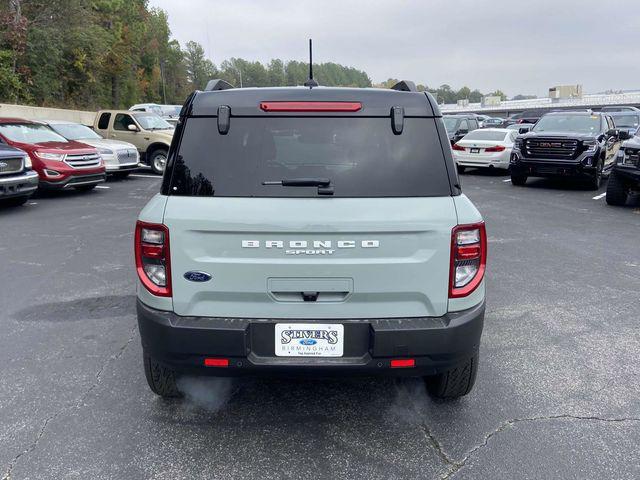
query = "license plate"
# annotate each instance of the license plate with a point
(309, 340)
(474, 150)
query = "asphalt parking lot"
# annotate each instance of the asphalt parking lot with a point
(557, 394)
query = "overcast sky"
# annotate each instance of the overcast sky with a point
(517, 46)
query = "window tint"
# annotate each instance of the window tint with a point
(360, 156)
(103, 123)
(486, 135)
(122, 122)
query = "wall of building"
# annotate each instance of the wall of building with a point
(43, 113)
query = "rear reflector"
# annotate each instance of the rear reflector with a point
(403, 363)
(310, 106)
(216, 362)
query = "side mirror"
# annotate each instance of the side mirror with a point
(523, 130)
(624, 135)
(132, 128)
(612, 133)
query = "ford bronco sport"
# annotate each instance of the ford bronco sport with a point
(311, 230)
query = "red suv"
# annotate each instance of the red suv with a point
(60, 163)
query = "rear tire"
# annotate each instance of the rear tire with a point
(461, 169)
(161, 379)
(518, 180)
(617, 192)
(456, 382)
(158, 160)
(85, 188)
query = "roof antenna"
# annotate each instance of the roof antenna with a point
(311, 82)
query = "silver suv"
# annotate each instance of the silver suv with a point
(311, 230)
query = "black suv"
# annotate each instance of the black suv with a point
(575, 144)
(458, 126)
(625, 174)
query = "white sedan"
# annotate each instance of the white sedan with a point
(489, 147)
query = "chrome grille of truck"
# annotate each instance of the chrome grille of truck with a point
(127, 156)
(550, 148)
(10, 165)
(89, 160)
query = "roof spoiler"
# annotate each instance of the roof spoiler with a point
(405, 86)
(217, 84)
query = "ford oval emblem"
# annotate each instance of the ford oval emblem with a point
(195, 276)
(308, 341)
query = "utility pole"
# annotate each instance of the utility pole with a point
(164, 91)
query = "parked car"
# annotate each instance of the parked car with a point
(169, 112)
(629, 121)
(620, 108)
(520, 127)
(120, 158)
(332, 242)
(493, 122)
(488, 147)
(60, 163)
(562, 144)
(528, 116)
(625, 174)
(147, 131)
(458, 126)
(17, 180)
(481, 119)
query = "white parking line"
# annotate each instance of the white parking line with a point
(598, 197)
(102, 186)
(146, 176)
(507, 180)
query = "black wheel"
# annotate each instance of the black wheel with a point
(456, 382)
(461, 169)
(158, 160)
(595, 182)
(518, 180)
(85, 188)
(16, 201)
(617, 192)
(161, 379)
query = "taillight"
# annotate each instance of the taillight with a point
(153, 262)
(458, 147)
(497, 148)
(468, 258)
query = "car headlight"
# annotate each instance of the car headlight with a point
(50, 156)
(27, 162)
(590, 145)
(105, 151)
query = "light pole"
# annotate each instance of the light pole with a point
(235, 65)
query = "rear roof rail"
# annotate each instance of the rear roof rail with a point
(217, 84)
(405, 86)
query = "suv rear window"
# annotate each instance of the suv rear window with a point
(361, 156)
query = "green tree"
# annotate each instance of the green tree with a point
(199, 68)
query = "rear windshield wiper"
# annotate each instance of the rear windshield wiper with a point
(323, 184)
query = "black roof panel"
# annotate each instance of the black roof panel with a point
(375, 101)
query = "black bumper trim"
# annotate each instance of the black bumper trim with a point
(436, 343)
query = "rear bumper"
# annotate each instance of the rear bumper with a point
(18, 185)
(436, 343)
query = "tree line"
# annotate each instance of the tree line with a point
(91, 54)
